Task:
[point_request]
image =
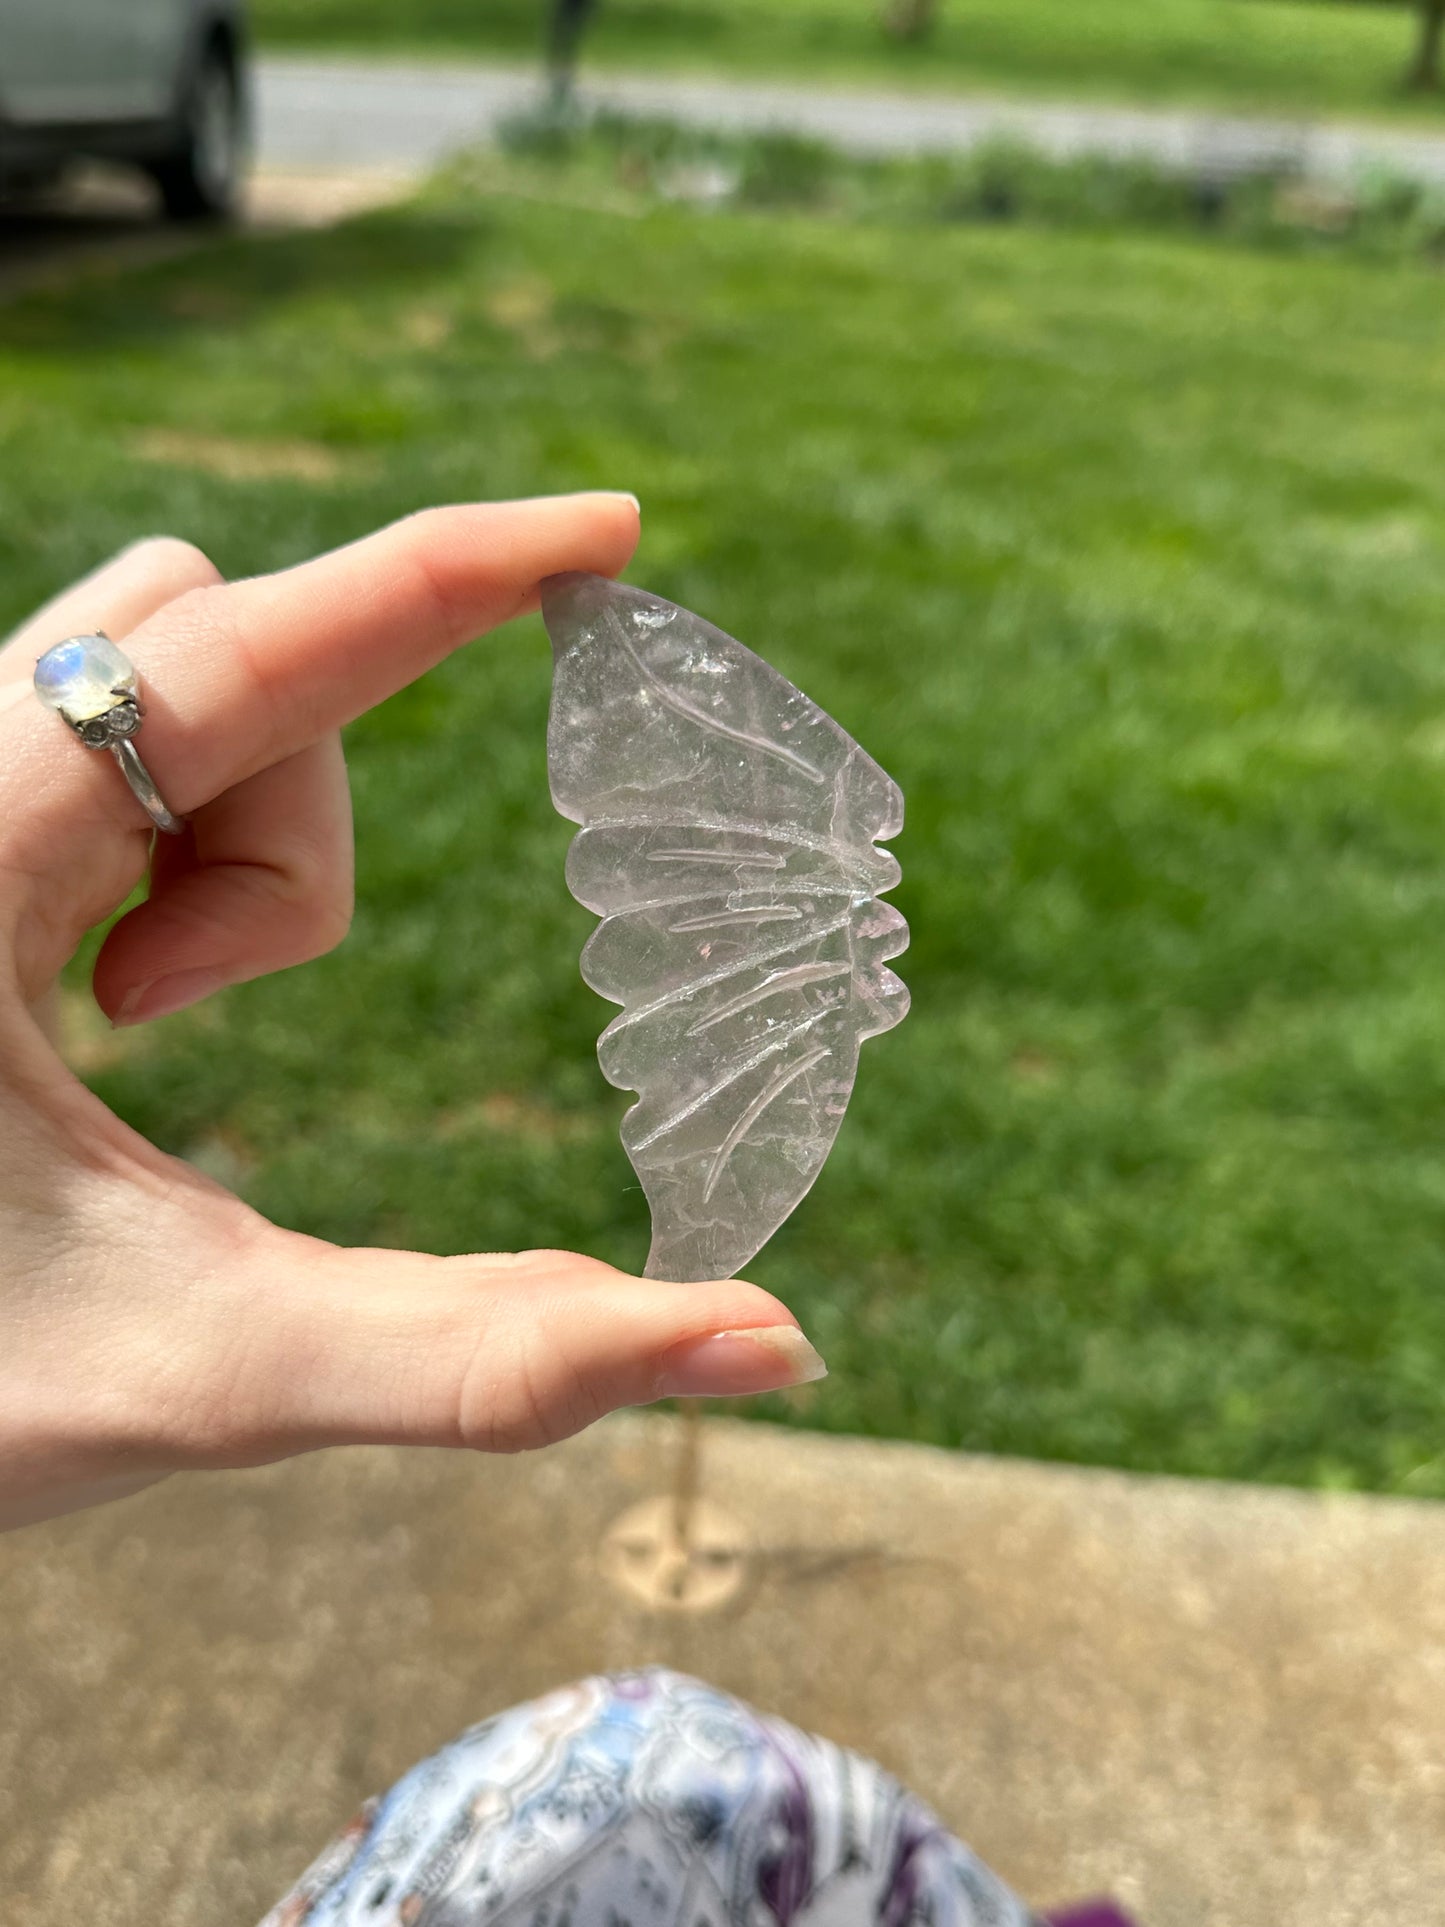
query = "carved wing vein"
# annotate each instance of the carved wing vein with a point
(680, 706)
(754, 1111)
(742, 859)
(801, 887)
(684, 993)
(772, 986)
(720, 1084)
(849, 858)
(726, 919)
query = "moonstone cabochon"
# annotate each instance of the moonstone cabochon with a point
(83, 677)
(729, 844)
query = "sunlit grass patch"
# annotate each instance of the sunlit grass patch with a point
(1123, 551)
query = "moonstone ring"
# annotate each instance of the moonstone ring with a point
(92, 685)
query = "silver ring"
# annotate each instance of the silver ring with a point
(93, 686)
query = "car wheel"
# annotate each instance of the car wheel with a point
(200, 179)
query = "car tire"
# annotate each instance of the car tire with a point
(201, 178)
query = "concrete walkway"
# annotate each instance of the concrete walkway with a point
(336, 113)
(1224, 1705)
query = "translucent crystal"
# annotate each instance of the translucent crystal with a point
(83, 677)
(729, 846)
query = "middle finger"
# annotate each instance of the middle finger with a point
(262, 880)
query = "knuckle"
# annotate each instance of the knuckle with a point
(561, 1399)
(575, 1266)
(306, 893)
(330, 920)
(308, 918)
(192, 613)
(545, 1402)
(432, 527)
(432, 550)
(171, 559)
(320, 900)
(520, 1390)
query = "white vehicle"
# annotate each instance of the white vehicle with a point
(161, 83)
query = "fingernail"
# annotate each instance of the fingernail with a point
(731, 1364)
(165, 995)
(627, 496)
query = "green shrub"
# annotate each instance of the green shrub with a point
(1380, 214)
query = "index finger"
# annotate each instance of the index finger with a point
(237, 676)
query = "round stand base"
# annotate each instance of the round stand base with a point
(702, 1570)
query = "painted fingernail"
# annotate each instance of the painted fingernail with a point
(731, 1364)
(167, 994)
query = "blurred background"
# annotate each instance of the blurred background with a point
(1053, 392)
(1098, 491)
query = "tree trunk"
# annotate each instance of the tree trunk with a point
(567, 24)
(1424, 74)
(911, 19)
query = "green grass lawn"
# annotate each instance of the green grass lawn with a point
(1125, 554)
(1249, 54)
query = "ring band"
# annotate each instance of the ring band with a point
(93, 687)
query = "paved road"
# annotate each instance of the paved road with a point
(352, 113)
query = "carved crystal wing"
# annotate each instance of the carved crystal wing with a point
(728, 843)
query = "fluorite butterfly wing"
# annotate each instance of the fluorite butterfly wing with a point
(729, 844)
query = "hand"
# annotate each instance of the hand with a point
(149, 1321)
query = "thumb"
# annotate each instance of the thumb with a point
(493, 1353)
